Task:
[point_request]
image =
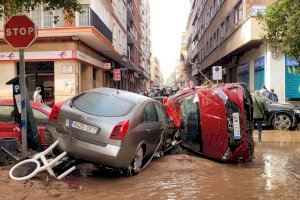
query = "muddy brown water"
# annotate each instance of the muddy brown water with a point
(274, 174)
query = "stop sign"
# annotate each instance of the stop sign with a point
(20, 31)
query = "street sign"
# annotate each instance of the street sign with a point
(217, 73)
(20, 31)
(117, 74)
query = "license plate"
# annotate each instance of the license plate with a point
(81, 126)
(236, 126)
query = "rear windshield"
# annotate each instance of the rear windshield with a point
(102, 104)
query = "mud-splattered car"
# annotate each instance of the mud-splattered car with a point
(215, 121)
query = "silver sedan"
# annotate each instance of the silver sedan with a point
(108, 126)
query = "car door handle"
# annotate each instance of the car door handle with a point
(148, 130)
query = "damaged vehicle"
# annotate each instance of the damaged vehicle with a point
(110, 127)
(215, 121)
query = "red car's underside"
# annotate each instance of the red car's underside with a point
(216, 135)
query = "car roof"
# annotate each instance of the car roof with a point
(133, 97)
(35, 105)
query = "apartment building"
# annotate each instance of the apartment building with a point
(138, 49)
(227, 33)
(155, 73)
(70, 57)
(182, 70)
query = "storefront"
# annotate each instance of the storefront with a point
(292, 79)
(243, 73)
(259, 73)
(61, 74)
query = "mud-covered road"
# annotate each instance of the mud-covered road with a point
(274, 174)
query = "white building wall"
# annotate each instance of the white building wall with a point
(120, 10)
(119, 38)
(99, 7)
(275, 74)
(274, 70)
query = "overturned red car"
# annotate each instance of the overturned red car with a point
(215, 121)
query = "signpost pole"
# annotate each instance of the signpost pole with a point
(23, 103)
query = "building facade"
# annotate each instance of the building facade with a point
(155, 74)
(70, 57)
(182, 71)
(226, 33)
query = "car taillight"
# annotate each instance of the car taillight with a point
(120, 130)
(55, 111)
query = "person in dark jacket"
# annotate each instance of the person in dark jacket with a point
(273, 96)
(259, 111)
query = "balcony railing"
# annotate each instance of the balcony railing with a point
(96, 22)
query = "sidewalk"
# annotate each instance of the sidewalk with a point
(272, 136)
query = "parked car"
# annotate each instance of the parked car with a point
(107, 126)
(283, 116)
(9, 128)
(216, 121)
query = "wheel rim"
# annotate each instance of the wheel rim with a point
(282, 122)
(138, 160)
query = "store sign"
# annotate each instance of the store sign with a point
(217, 73)
(259, 63)
(117, 74)
(243, 68)
(67, 69)
(291, 62)
(258, 9)
(54, 55)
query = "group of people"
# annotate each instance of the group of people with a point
(271, 95)
(260, 110)
(159, 92)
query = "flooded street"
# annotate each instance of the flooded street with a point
(274, 174)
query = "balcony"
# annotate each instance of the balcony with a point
(96, 22)
(130, 11)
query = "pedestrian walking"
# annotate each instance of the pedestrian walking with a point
(259, 111)
(273, 96)
(37, 97)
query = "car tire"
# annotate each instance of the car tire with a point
(137, 162)
(282, 121)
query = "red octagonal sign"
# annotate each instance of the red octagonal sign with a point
(20, 31)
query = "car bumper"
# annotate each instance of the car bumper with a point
(109, 155)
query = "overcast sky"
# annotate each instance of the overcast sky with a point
(168, 21)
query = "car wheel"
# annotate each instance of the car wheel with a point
(282, 122)
(137, 163)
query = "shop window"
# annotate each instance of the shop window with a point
(84, 17)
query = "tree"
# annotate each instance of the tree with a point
(13, 7)
(281, 26)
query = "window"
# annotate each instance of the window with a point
(238, 13)
(36, 16)
(227, 26)
(84, 18)
(47, 19)
(151, 113)
(222, 34)
(41, 118)
(99, 104)
(58, 19)
(161, 112)
(7, 114)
